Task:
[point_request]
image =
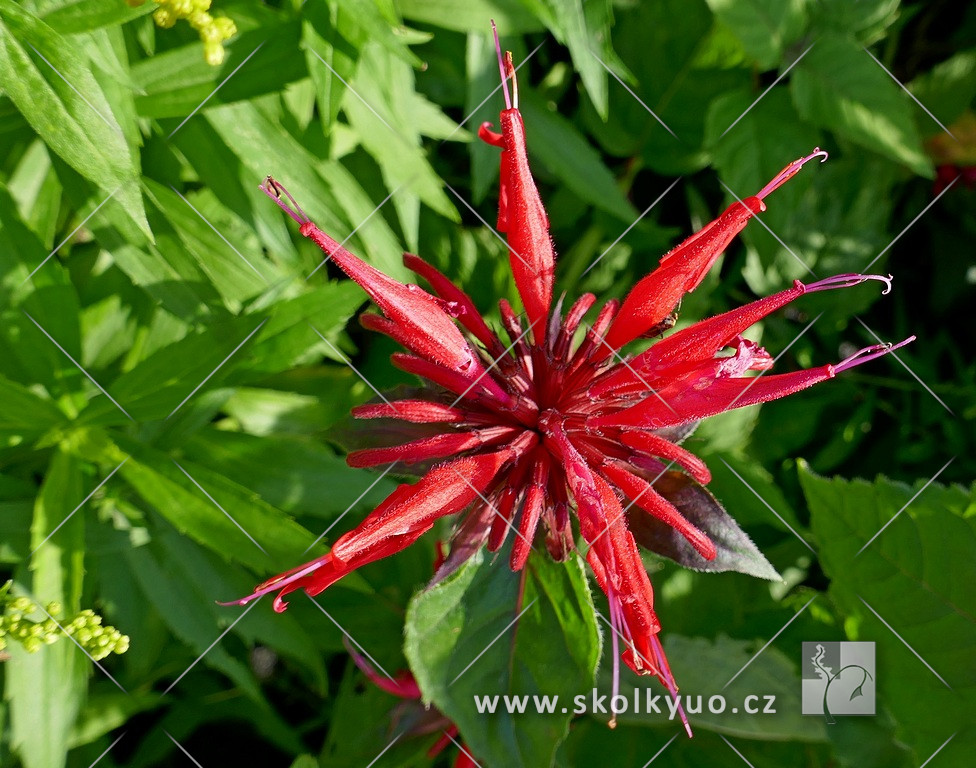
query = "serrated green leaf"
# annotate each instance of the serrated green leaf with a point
(915, 575)
(243, 528)
(947, 90)
(64, 103)
(765, 27)
(296, 476)
(326, 190)
(551, 650)
(837, 85)
(566, 153)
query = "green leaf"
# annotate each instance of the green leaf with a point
(64, 103)
(106, 711)
(916, 575)
(296, 476)
(702, 667)
(750, 145)
(552, 649)
(15, 519)
(86, 15)
(471, 15)
(178, 82)
(555, 141)
(236, 275)
(243, 528)
(584, 28)
(213, 579)
(837, 85)
(45, 689)
(382, 115)
(271, 412)
(765, 27)
(165, 586)
(866, 20)
(326, 190)
(293, 335)
(947, 90)
(158, 385)
(22, 412)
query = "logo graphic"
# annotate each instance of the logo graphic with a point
(838, 679)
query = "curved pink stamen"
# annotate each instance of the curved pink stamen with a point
(275, 190)
(870, 353)
(501, 65)
(616, 621)
(790, 171)
(277, 584)
(847, 281)
(665, 673)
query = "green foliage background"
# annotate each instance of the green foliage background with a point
(135, 245)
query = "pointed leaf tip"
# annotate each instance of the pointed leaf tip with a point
(735, 551)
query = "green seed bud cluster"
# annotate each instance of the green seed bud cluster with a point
(85, 627)
(213, 30)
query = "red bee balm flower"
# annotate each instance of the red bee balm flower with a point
(536, 429)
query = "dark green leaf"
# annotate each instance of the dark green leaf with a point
(915, 576)
(765, 27)
(551, 649)
(839, 86)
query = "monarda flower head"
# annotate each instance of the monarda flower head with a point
(528, 434)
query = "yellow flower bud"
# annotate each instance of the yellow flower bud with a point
(213, 53)
(164, 18)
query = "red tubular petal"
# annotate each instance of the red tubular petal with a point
(630, 583)
(524, 219)
(680, 271)
(688, 403)
(613, 553)
(436, 447)
(416, 411)
(443, 742)
(469, 316)
(655, 445)
(487, 135)
(642, 493)
(703, 339)
(411, 510)
(531, 511)
(593, 346)
(405, 515)
(464, 759)
(403, 685)
(505, 507)
(486, 387)
(431, 330)
(568, 329)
